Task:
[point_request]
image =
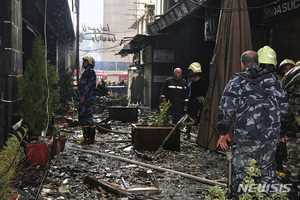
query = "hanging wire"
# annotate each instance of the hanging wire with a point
(99, 49)
(234, 9)
(46, 70)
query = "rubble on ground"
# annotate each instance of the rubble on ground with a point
(65, 175)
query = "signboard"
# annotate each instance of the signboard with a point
(97, 34)
(163, 56)
(281, 9)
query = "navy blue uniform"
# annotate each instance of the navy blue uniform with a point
(86, 90)
(261, 104)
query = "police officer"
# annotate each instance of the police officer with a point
(175, 89)
(86, 96)
(291, 80)
(260, 103)
(197, 91)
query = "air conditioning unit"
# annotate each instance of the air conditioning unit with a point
(150, 9)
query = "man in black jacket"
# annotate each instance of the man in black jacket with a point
(139, 88)
(175, 89)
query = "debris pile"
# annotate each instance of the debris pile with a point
(112, 169)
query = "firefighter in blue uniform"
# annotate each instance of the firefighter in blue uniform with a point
(86, 97)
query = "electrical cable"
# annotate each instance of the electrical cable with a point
(46, 70)
(99, 48)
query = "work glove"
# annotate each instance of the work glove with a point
(200, 99)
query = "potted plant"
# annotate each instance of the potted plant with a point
(59, 140)
(40, 97)
(124, 100)
(72, 115)
(149, 136)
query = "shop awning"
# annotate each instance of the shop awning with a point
(137, 43)
(176, 13)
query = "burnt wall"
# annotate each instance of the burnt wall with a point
(10, 64)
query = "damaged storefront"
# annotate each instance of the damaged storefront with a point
(186, 33)
(284, 22)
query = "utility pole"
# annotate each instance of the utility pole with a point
(77, 43)
(116, 59)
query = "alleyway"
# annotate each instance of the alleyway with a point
(66, 172)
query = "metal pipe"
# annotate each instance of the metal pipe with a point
(203, 180)
(229, 158)
(106, 141)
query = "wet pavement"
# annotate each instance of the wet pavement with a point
(112, 159)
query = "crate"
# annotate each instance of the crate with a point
(123, 113)
(151, 138)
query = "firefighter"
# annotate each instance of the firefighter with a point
(285, 66)
(291, 81)
(86, 97)
(175, 89)
(197, 91)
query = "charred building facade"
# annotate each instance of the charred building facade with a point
(186, 32)
(20, 22)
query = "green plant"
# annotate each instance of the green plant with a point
(163, 119)
(10, 158)
(57, 133)
(74, 108)
(33, 87)
(256, 192)
(66, 86)
(124, 100)
(145, 119)
(217, 192)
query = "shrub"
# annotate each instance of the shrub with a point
(219, 193)
(10, 158)
(33, 88)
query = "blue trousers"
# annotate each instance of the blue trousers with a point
(265, 161)
(85, 115)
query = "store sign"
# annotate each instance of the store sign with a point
(163, 56)
(99, 34)
(282, 8)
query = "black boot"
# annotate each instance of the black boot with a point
(86, 134)
(93, 133)
(293, 194)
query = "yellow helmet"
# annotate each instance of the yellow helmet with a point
(195, 67)
(298, 63)
(287, 62)
(90, 60)
(267, 55)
